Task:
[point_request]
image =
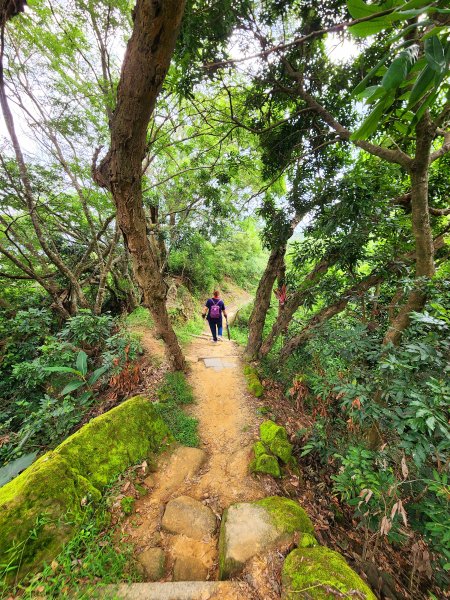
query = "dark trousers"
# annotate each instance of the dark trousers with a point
(216, 327)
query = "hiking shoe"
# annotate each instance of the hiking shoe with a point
(220, 338)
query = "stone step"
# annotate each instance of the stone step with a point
(179, 590)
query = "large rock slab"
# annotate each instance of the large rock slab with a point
(324, 574)
(189, 517)
(152, 562)
(248, 529)
(189, 568)
(183, 464)
(180, 590)
(80, 467)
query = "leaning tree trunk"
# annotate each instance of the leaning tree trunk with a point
(147, 59)
(374, 278)
(423, 236)
(262, 302)
(293, 303)
(275, 269)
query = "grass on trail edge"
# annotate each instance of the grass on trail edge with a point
(92, 557)
(186, 330)
(174, 393)
(140, 317)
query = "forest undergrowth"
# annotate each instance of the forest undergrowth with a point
(384, 504)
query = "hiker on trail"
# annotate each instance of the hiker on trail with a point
(213, 310)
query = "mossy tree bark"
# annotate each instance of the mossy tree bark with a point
(373, 279)
(146, 62)
(421, 227)
(262, 301)
(275, 269)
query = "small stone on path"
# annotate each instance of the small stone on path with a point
(189, 517)
(189, 568)
(184, 463)
(153, 562)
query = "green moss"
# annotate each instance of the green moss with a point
(255, 387)
(270, 431)
(282, 449)
(275, 438)
(315, 572)
(266, 463)
(287, 516)
(307, 540)
(120, 437)
(253, 383)
(127, 504)
(259, 449)
(53, 491)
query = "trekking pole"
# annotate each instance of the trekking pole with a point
(228, 329)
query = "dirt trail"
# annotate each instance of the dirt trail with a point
(226, 419)
(227, 427)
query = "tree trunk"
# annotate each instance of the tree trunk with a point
(262, 302)
(423, 237)
(339, 305)
(275, 269)
(147, 59)
(329, 311)
(293, 303)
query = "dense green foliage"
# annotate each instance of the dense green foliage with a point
(50, 377)
(263, 132)
(94, 554)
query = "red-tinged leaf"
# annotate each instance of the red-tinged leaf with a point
(405, 471)
(402, 511)
(394, 510)
(386, 526)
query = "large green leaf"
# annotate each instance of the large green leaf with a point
(361, 86)
(72, 386)
(414, 4)
(370, 124)
(369, 27)
(435, 54)
(97, 374)
(423, 83)
(82, 362)
(399, 69)
(359, 9)
(372, 93)
(62, 370)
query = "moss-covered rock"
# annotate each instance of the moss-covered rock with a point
(251, 528)
(282, 449)
(320, 574)
(120, 437)
(254, 385)
(259, 449)
(49, 496)
(270, 431)
(266, 463)
(307, 540)
(287, 515)
(275, 438)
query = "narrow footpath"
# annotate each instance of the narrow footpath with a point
(216, 474)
